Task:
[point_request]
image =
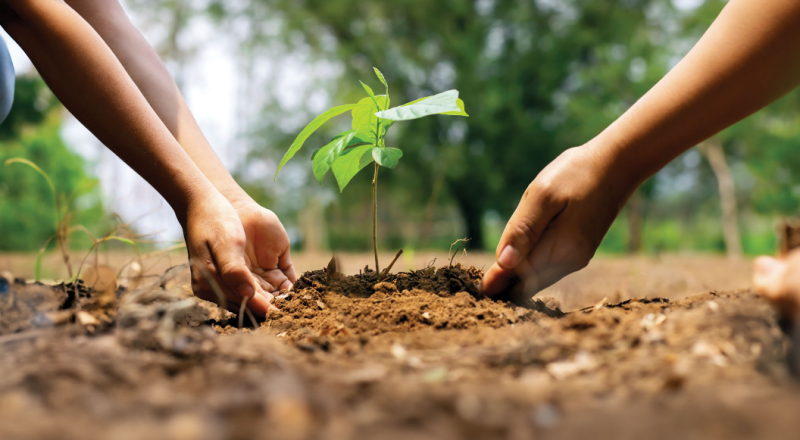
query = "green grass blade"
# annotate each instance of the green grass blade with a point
(37, 268)
(35, 167)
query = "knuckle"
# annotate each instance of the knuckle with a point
(524, 234)
(230, 269)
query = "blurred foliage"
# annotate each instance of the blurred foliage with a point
(32, 131)
(540, 76)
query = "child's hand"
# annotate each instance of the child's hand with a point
(778, 280)
(559, 223)
(216, 242)
(267, 247)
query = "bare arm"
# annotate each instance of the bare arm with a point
(747, 59)
(151, 77)
(267, 249)
(86, 76)
(89, 80)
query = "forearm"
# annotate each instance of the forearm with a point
(748, 58)
(152, 78)
(88, 79)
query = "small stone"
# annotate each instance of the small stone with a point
(399, 352)
(713, 306)
(436, 375)
(86, 319)
(321, 304)
(545, 415)
(582, 362)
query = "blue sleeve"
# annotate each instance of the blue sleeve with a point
(6, 80)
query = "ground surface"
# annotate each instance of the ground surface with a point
(417, 356)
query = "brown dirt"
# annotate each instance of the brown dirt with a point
(420, 355)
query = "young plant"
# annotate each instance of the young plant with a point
(350, 151)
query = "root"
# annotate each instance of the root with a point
(242, 308)
(460, 244)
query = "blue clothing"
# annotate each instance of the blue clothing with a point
(6, 81)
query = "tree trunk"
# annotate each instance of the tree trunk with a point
(712, 150)
(473, 221)
(634, 211)
(312, 225)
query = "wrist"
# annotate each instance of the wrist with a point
(194, 195)
(620, 162)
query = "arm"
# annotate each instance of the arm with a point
(89, 80)
(747, 59)
(267, 247)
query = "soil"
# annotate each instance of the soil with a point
(418, 355)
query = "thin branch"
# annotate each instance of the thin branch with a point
(389, 267)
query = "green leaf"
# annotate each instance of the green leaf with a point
(380, 77)
(350, 162)
(362, 136)
(369, 92)
(442, 103)
(364, 119)
(311, 128)
(387, 157)
(329, 153)
(461, 111)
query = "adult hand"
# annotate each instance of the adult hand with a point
(778, 280)
(559, 223)
(216, 241)
(267, 247)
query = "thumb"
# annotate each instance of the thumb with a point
(526, 226)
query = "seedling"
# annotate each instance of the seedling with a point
(350, 151)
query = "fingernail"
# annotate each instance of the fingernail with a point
(246, 291)
(509, 258)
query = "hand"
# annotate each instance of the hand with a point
(216, 242)
(559, 223)
(267, 249)
(778, 280)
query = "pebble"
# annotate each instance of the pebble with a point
(545, 415)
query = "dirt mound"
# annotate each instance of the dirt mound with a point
(417, 355)
(360, 306)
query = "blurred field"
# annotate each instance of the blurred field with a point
(615, 278)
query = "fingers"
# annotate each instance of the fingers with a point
(259, 304)
(228, 254)
(498, 280)
(768, 276)
(526, 226)
(285, 265)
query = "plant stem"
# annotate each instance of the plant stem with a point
(375, 218)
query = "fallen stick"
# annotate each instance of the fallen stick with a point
(389, 267)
